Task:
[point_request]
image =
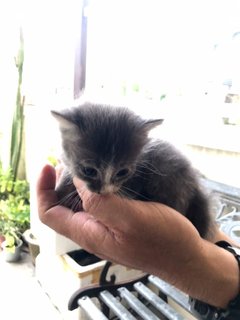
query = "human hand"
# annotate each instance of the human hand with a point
(143, 235)
(129, 232)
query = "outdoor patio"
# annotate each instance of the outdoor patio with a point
(21, 294)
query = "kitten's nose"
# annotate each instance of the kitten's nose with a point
(107, 189)
(104, 192)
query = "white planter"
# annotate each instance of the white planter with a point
(12, 256)
(33, 244)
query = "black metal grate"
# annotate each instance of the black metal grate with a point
(145, 301)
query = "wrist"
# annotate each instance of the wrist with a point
(220, 276)
(210, 265)
(232, 309)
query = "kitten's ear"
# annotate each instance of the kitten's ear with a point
(67, 126)
(151, 124)
(62, 120)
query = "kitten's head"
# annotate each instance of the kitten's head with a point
(101, 144)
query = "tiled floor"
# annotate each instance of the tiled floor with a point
(21, 296)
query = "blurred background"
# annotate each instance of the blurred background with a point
(177, 60)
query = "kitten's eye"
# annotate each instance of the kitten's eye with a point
(122, 173)
(89, 172)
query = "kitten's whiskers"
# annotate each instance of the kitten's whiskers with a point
(127, 193)
(152, 169)
(71, 201)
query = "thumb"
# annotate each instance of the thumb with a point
(49, 212)
(80, 227)
(46, 194)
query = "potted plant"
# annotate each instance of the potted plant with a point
(14, 210)
(12, 244)
(14, 220)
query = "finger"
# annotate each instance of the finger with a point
(80, 227)
(46, 194)
(55, 216)
(47, 178)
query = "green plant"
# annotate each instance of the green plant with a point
(16, 211)
(18, 117)
(10, 188)
(14, 207)
(10, 232)
(53, 160)
(6, 182)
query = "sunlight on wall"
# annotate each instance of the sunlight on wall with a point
(184, 50)
(146, 49)
(162, 46)
(49, 49)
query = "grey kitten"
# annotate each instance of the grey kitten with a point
(108, 147)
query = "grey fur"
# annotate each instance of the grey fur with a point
(111, 144)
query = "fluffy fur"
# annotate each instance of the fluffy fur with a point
(108, 147)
